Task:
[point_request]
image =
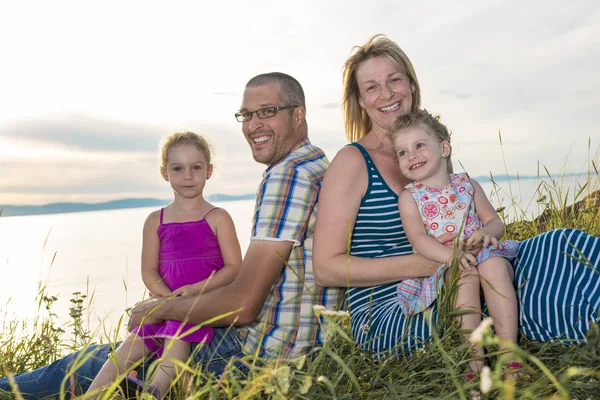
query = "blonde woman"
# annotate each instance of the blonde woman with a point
(559, 296)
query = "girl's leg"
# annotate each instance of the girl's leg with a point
(497, 279)
(469, 298)
(130, 351)
(167, 370)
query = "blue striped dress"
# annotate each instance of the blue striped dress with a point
(559, 294)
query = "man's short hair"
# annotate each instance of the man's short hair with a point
(291, 90)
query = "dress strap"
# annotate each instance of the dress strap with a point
(161, 215)
(374, 176)
(364, 151)
(211, 210)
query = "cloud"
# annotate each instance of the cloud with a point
(112, 168)
(226, 94)
(460, 96)
(84, 132)
(91, 174)
(330, 105)
(484, 66)
(117, 173)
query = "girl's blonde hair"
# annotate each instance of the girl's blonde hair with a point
(356, 120)
(179, 138)
(431, 124)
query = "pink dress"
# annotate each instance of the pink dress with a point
(189, 253)
(449, 210)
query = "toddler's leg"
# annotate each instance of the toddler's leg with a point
(500, 297)
(130, 351)
(167, 370)
(468, 298)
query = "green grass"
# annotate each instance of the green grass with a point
(340, 370)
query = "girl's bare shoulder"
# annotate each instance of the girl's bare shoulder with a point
(216, 215)
(152, 220)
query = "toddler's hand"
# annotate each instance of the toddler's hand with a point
(187, 290)
(482, 239)
(466, 261)
(474, 250)
(446, 238)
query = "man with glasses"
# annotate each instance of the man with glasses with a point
(271, 300)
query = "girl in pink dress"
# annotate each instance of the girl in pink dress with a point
(189, 247)
(439, 202)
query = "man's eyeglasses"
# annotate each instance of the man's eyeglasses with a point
(267, 112)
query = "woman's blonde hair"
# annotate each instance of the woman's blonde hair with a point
(356, 120)
(431, 124)
(179, 138)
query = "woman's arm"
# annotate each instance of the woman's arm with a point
(150, 257)
(493, 227)
(230, 250)
(342, 189)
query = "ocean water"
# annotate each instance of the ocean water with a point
(98, 253)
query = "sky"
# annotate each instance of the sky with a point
(88, 88)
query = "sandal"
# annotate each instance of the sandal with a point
(132, 388)
(513, 369)
(471, 376)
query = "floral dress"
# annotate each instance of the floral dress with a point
(449, 210)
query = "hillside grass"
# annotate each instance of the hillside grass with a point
(341, 370)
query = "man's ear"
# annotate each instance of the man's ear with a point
(163, 172)
(300, 116)
(209, 171)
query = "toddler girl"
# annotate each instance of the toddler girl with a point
(439, 202)
(189, 247)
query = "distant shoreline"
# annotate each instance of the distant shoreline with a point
(60, 208)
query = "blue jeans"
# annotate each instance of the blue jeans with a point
(47, 381)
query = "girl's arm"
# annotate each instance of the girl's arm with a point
(230, 250)
(150, 257)
(424, 244)
(493, 227)
(421, 242)
(341, 192)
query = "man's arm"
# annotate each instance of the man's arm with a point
(243, 298)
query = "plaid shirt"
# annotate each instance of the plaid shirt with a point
(286, 209)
